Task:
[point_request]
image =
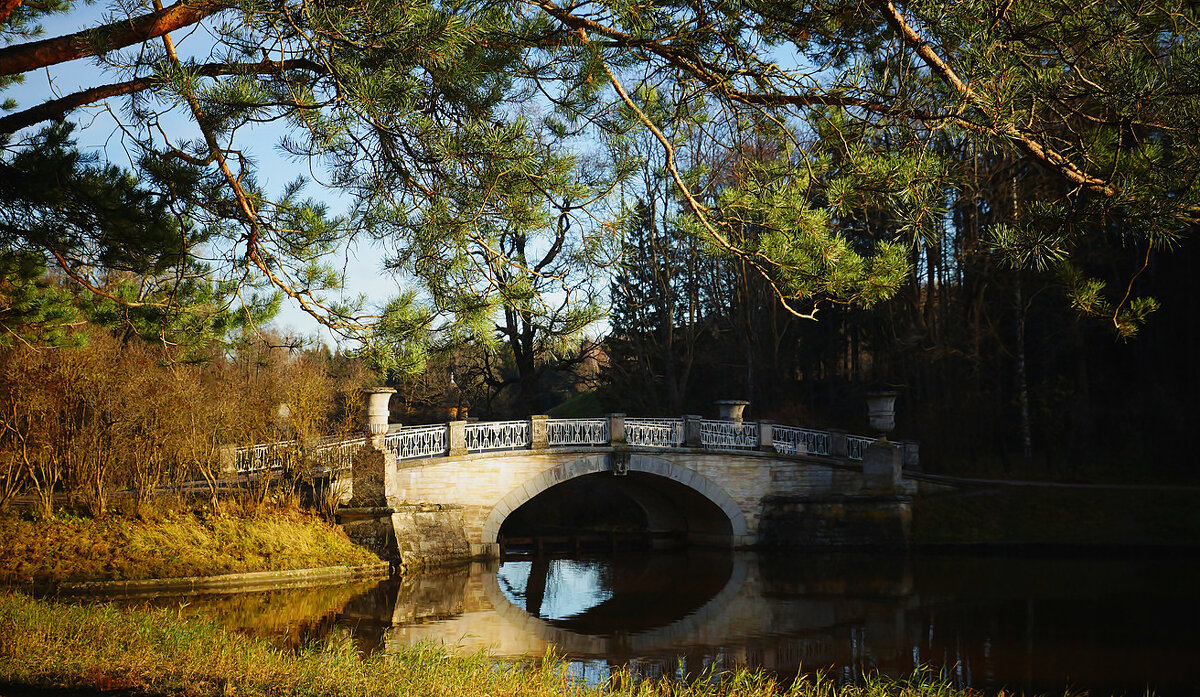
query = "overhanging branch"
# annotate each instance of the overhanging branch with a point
(7, 7)
(33, 55)
(57, 108)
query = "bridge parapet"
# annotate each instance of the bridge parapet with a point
(325, 454)
(440, 492)
(459, 437)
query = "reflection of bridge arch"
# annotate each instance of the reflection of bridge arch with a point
(687, 630)
(638, 462)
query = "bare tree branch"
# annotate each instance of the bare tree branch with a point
(33, 55)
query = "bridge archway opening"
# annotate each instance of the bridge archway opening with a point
(591, 503)
(664, 511)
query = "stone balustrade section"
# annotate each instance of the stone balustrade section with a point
(722, 434)
(419, 442)
(541, 432)
(654, 433)
(493, 436)
(325, 454)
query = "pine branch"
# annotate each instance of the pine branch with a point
(1031, 146)
(7, 7)
(55, 109)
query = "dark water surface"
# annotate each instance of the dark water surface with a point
(1106, 626)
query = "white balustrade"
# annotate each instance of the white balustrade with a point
(323, 454)
(414, 442)
(654, 433)
(790, 440)
(497, 435)
(258, 458)
(728, 435)
(856, 446)
(335, 455)
(560, 432)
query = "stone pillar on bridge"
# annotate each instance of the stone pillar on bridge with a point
(367, 517)
(766, 436)
(538, 438)
(372, 466)
(691, 430)
(616, 429)
(837, 444)
(227, 456)
(881, 467)
(456, 432)
(883, 459)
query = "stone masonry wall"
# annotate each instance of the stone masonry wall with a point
(476, 484)
(861, 521)
(429, 535)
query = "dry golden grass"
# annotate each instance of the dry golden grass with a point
(161, 652)
(173, 544)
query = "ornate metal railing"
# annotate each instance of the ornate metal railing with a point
(498, 435)
(654, 433)
(336, 455)
(418, 441)
(856, 445)
(790, 440)
(728, 435)
(561, 432)
(261, 457)
(324, 454)
(412, 442)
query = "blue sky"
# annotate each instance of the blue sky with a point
(98, 132)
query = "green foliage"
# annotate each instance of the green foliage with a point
(34, 310)
(823, 120)
(400, 340)
(1090, 296)
(55, 200)
(99, 225)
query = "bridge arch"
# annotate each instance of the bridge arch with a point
(638, 462)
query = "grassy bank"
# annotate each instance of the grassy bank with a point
(167, 545)
(58, 646)
(1059, 515)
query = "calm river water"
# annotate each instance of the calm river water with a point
(1107, 626)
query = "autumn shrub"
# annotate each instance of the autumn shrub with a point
(131, 419)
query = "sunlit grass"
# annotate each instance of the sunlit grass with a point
(56, 645)
(174, 544)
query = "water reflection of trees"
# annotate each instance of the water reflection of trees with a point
(290, 617)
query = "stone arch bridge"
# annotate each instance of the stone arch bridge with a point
(431, 494)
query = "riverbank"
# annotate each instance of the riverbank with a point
(1059, 516)
(48, 647)
(68, 548)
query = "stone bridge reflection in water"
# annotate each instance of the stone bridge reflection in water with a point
(1034, 624)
